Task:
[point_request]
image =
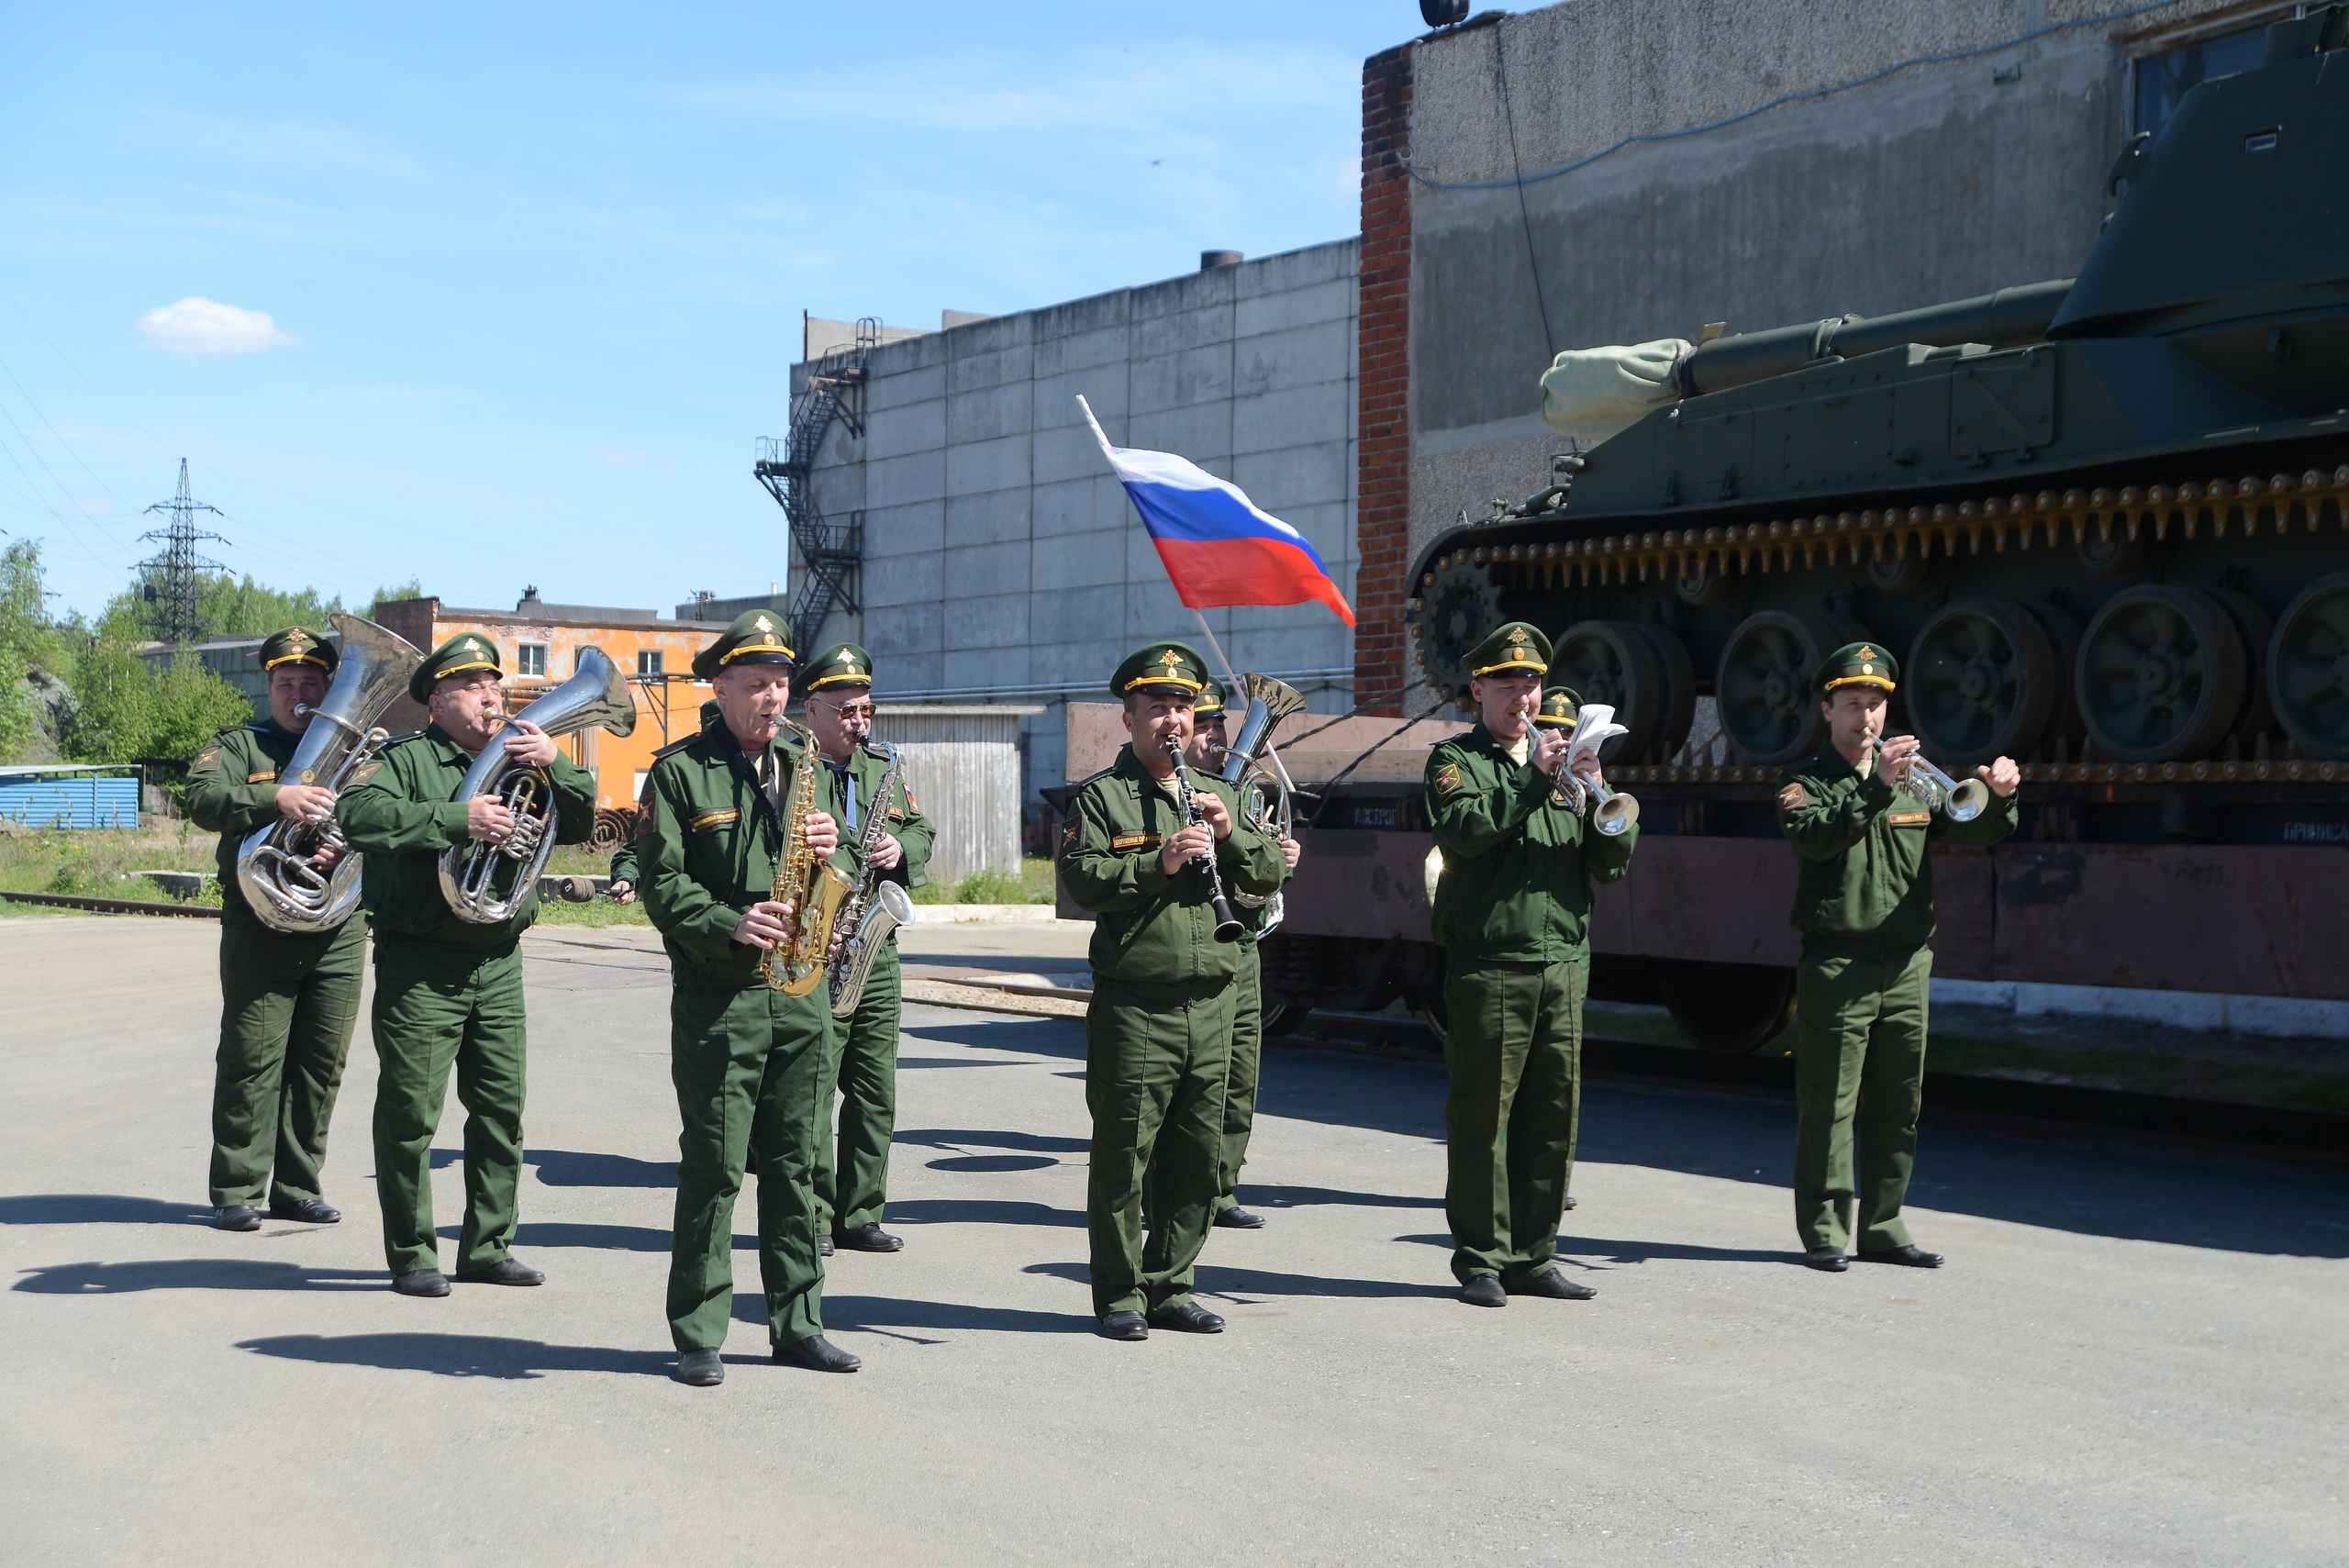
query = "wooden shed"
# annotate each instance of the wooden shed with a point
(964, 763)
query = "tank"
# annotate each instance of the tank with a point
(2099, 521)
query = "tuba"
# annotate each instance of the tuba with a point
(875, 910)
(277, 867)
(485, 884)
(1936, 791)
(1265, 802)
(809, 883)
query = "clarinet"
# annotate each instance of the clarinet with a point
(1227, 924)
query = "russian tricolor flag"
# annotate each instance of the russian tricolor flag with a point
(1217, 546)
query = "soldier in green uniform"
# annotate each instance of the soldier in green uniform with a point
(620, 884)
(1863, 903)
(1209, 737)
(853, 1173)
(1559, 710)
(1158, 1032)
(1512, 914)
(449, 993)
(746, 1060)
(287, 998)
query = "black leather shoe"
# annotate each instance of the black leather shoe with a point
(1190, 1318)
(505, 1271)
(1124, 1326)
(236, 1216)
(309, 1210)
(1909, 1257)
(421, 1282)
(1570, 1202)
(817, 1354)
(701, 1369)
(1552, 1283)
(1830, 1259)
(1239, 1218)
(1485, 1290)
(823, 1246)
(869, 1239)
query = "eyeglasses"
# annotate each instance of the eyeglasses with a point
(850, 709)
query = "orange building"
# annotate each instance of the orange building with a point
(538, 644)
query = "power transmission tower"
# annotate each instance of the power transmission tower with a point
(170, 576)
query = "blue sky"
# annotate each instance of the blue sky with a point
(532, 275)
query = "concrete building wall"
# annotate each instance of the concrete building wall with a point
(1001, 559)
(1938, 182)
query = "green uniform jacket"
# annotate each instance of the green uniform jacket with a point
(1864, 879)
(1155, 929)
(707, 851)
(915, 832)
(232, 791)
(1517, 865)
(403, 812)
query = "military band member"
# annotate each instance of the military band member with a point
(1158, 1031)
(1512, 914)
(449, 993)
(289, 999)
(1863, 903)
(1207, 751)
(852, 1172)
(746, 1060)
(620, 884)
(1560, 708)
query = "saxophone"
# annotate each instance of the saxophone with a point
(805, 882)
(875, 909)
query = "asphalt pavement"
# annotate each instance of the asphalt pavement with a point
(2133, 1356)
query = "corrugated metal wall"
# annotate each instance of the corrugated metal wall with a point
(69, 800)
(964, 763)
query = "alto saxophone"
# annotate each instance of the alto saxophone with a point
(805, 882)
(877, 908)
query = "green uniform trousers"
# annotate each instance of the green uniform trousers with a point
(853, 1173)
(1155, 1061)
(439, 1007)
(1859, 1083)
(285, 1036)
(1513, 1047)
(748, 1063)
(1247, 1062)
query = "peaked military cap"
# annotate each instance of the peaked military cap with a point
(841, 664)
(1208, 704)
(756, 638)
(466, 651)
(1559, 706)
(1161, 669)
(1513, 649)
(299, 645)
(1859, 664)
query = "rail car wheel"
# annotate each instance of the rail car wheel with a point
(1767, 687)
(2308, 668)
(1428, 1002)
(1730, 1007)
(1617, 664)
(1283, 1018)
(2064, 636)
(2161, 675)
(1462, 605)
(1981, 682)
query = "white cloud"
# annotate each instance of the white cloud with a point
(200, 326)
(615, 454)
(94, 505)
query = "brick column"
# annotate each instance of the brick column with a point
(1383, 387)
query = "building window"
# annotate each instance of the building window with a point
(648, 661)
(530, 663)
(2165, 78)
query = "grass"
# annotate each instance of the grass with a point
(1032, 885)
(103, 863)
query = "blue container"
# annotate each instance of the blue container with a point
(51, 796)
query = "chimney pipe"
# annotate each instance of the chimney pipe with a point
(1211, 260)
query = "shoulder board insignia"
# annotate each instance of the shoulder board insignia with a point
(673, 747)
(404, 739)
(1793, 798)
(1097, 778)
(1917, 817)
(1447, 779)
(1135, 841)
(718, 818)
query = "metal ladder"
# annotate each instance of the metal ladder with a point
(828, 551)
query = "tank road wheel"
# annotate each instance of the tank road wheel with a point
(1768, 679)
(2308, 668)
(1730, 1007)
(2161, 675)
(1617, 664)
(2064, 636)
(1463, 604)
(1679, 690)
(2258, 715)
(1981, 682)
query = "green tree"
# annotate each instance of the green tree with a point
(129, 710)
(31, 647)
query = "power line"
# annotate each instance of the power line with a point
(176, 617)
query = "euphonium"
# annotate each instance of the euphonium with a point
(875, 910)
(1936, 791)
(277, 865)
(805, 881)
(483, 882)
(1263, 793)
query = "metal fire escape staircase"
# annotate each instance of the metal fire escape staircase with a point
(828, 552)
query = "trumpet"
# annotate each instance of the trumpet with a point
(1610, 812)
(1963, 799)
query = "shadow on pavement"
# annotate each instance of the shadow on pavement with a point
(461, 1355)
(885, 1314)
(99, 1208)
(1274, 1196)
(952, 1061)
(952, 1140)
(1581, 1251)
(1214, 1280)
(1031, 1036)
(994, 1162)
(570, 1168)
(609, 1238)
(194, 1273)
(981, 1211)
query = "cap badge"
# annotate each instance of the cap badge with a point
(1171, 660)
(1867, 652)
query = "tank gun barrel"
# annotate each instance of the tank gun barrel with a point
(2008, 318)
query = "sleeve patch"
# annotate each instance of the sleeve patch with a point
(269, 777)
(717, 818)
(208, 758)
(1068, 837)
(1135, 841)
(1448, 780)
(1793, 798)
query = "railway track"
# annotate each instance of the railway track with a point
(112, 905)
